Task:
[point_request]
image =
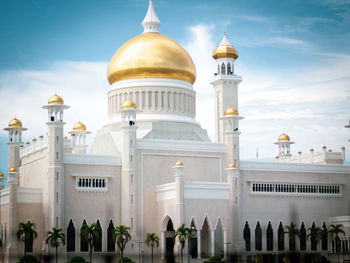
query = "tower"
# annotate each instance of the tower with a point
(225, 83)
(54, 192)
(348, 126)
(284, 146)
(179, 181)
(15, 140)
(79, 138)
(128, 178)
(231, 133)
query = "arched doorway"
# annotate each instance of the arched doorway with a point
(169, 242)
(193, 241)
(205, 240)
(219, 240)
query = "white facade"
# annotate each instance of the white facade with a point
(132, 177)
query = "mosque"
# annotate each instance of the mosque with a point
(153, 167)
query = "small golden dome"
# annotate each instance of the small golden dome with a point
(15, 123)
(2, 175)
(41, 136)
(343, 148)
(231, 111)
(65, 137)
(13, 170)
(73, 133)
(21, 145)
(79, 126)
(129, 104)
(231, 166)
(284, 138)
(311, 150)
(225, 50)
(28, 142)
(324, 147)
(55, 99)
(299, 152)
(151, 55)
(34, 139)
(277, 157)
(179, 163)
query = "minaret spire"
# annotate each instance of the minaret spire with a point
(224, 41)
(151, 22)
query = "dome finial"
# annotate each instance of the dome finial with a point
(224, 40)
(151, 22)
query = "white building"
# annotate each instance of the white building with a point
(152, 167)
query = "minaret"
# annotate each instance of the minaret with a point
(231, 133)
(15, 140)
(284, 147)
(225, 83)
(54, 204)
(79, 138)
(128, 178)
(151, 22)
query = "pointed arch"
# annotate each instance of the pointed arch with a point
(223, 69)
(313, 239)
(206, 217)
(219, 239)
(205, 239)
(70, 237)
(98, 241)
(110, 242)
(169, 240)
(228, 69)
(246, 236)
(280, 237)
(194, 222)
(302, 233)
(258, 237)
(219, 221)
(324, 237)
(83, 243)
(193, 240)
(269, 237)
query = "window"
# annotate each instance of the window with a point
(246, 236)
(223, 71)
(280, 237)
(228, 69)
(324, 237)
(302, 232)
(313, 239)
(269, 237)
(98, 241)
(91, 184)
(70, 237)
(83, 242)
(149, 99)
(110, 242)
(258, 237)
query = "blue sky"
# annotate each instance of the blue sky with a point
(294, 59)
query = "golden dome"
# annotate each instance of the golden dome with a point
(2, 175)
(231, 111)
(27, 142)
(55, 99)
(151, 55)
(73, 134)
(34, 139)
(231, 166)
(225, 50)
(179, 163)
(21, 145)
(41, 136)
(283, 138)
(15, 123)
(13, 170)
(129, 104)
(79, 126)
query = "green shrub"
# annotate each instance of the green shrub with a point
(214, 260)
(28, 259)
(126, 260)
(77, 259)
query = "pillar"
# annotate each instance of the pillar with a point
(212, 242)
(199, 240)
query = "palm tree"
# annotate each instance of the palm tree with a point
(182, 233)
(26, 232)
(152, 240)
(292, 231)
(121, 236)
(54, 238)
(90, 234)
(315, 235)
(335, 230)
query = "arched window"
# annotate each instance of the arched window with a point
(70, 237)
(218, 69)
(302, 237)
(246, 236)
(269, 237)
(174, 100)
(280, 237)
(228, 69)
(83, 243)
(98, 240)
(258, 237)
(291, 234)
(156, 94)
(110, 243)
(162, 100)
(324, 237)
(223, 71)
(143, 99)
(168, 99)
(149, 99)
(313, 239)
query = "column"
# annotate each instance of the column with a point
(162, 244)
(212, 242)
(225, 241)
(199, 249)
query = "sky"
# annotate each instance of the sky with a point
(294, 60)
